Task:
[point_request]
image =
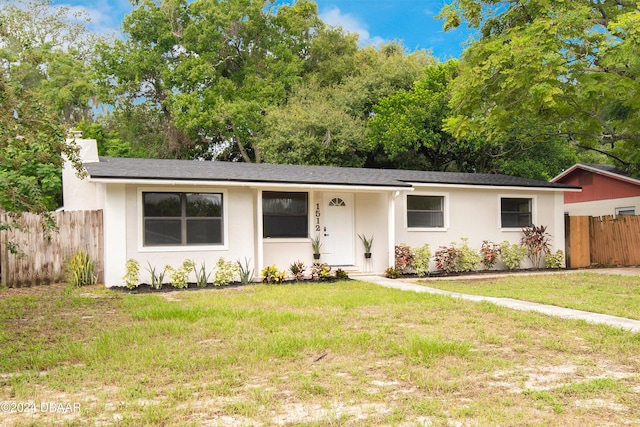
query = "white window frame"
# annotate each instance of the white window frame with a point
(445, 213)
(626, 208)
(534, 209)
(182, 248)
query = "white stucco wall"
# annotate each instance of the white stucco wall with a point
(602, 207)
(78, 193)
(370, 218)
(123, 226)
(474, 213)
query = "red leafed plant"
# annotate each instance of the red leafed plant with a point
(538, 243)
(404, 258)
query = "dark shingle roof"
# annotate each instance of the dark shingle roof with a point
(193, 170)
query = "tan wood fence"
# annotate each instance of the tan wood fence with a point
(41, 258)
(605, 240)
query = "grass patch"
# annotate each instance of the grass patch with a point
(599, 293)
(348, 353)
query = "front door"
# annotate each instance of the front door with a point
(338, 237)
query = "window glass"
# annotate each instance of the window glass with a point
(626, 211)
(162, 204)
(199, 204)
(425, 211)
(515, 212)
(178, 219)
(284, 214)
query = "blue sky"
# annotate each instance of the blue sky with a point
(411, 21)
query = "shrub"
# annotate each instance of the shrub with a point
(178, 276)
(468, 259)
(156, 278)
(225, 273)
(512, 254)
(245, 272)
(297, 269)
(404, 258)
(341, 274)
(490, 252)
(421, 258)
(446, 258)
(393, 273)
(271, 274)
(320, 271)
(554, 260)
(80, 270)
(132, 274)
(454, 259)
(537, 241)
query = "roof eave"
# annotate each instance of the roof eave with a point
(497, 186)
(249, 184)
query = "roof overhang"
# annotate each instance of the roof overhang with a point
(497, 187)
(250, 184)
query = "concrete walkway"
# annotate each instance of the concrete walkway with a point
(566, 313)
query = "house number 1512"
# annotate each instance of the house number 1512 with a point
(317, 216)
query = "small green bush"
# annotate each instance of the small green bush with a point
(271, 274)
(554, 260)
(131, 276)
(512, 254)
(421, 259)
(468, 259)
(178, 276)
(341, 274)
(393, 273)
(80, 270)
(226, 272)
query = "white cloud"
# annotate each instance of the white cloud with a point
(350, 24)
(105, 15)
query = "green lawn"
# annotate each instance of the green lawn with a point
(339, 354)
(599, 293)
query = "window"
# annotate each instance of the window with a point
(425, 211)
(626, 211)
(515, 213)
(284, 214)
(181, 219)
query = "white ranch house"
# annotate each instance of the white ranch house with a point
(165, 211)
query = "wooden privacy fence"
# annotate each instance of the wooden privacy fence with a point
(40, 258)
(605, 240)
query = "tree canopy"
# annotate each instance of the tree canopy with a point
(545, 84)
(568, 68)
(44, 87)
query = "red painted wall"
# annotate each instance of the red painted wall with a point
(597, 187)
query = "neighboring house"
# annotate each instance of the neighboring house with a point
(605, 191)
(164, 211)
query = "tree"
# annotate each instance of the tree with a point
(39, 98)
(210, 68)
(325, 121)
(569, 68)
(408, 124)
(314, 128)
